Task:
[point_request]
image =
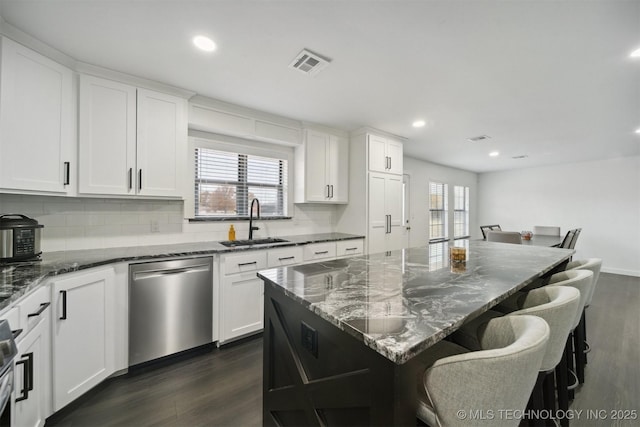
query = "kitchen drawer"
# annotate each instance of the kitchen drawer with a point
(246, 261)
(349, 247)
(13, 316)
(285, 256)
(33, 307)
(317, 251)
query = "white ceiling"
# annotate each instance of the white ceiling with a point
(549, 79)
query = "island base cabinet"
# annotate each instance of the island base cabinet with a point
(317, 374)
(32, 380)
(83, 333)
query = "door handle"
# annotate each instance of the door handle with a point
(63, 294)
(67, 173)
(42, 308)
(27, 382)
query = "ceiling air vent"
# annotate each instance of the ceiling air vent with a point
(309, 63)
(522, 156)
(479, 138)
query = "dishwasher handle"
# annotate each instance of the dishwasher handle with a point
(146, 274)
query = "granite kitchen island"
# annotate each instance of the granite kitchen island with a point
(344, 340)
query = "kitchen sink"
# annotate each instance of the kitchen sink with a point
(236, 243)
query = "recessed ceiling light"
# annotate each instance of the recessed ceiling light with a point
(494, 153)
(638, 130)
(635, 54)
(418, 123)
(204, 43)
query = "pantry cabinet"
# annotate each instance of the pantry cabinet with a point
(322, 169)
(37, 145)
(132, 141)
(84, 342)
(384, 155)
(385, 231)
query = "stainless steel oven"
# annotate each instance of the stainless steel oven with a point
(8, 352)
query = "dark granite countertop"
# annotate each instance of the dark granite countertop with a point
(402, 302)
(18, 279)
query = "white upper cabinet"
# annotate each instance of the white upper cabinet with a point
(385, 155)
(131, 141)
(36, 122)
(322, 169)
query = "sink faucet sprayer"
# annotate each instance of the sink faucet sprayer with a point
(251, 227)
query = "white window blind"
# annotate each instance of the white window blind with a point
(438, 211)
(460, 212)
(226, 182)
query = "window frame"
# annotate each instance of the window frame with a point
(444, 212)
(466, 211)
(241, 147)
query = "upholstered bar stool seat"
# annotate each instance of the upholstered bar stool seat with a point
(501, 375)
(558, 306)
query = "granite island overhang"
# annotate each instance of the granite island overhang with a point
(341, 337)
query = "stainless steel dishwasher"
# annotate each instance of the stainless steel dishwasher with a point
(170, 307)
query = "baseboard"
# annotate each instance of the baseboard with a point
(622, 271)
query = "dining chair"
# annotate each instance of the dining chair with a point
(485, 228)
(504, 237)
(501, 375)
(545, 230)
(557, 305)
(568, 238)
(576, 234)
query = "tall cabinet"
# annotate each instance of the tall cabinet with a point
(376, 191)
(132, 141)
(37, 145)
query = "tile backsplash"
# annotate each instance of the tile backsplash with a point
(92, 223)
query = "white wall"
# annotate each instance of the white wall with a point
(601, 197)
(92, 223)
(421, 173)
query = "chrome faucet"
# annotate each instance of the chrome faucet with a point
(251, 227)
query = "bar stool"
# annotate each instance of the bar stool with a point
(581, 280)
(594, 265)
(501, 375)
(558, 306)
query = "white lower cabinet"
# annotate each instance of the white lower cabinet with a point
(84, 341)
(241, 295)
(32, 378)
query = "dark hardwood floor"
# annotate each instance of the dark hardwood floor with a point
(224, 387)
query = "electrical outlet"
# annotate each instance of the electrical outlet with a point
(155, 226)
(309, 338)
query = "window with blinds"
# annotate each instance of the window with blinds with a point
(460, 212)
(226, 182)
(437, 211)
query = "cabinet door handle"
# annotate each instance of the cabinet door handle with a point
(64, 305)
(242, 264)
(67, 173)
(389, 162)
(16, 333)
(350, 249)
(322, 252)
(286, 258)
(332, 191)
(140, 180)
(328, 194)
(42, 308)
(27, 377)
(130, 178)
